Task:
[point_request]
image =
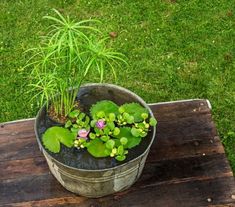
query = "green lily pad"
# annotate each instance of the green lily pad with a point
(132, 140)
(135, 110)
(97, 148)
(105, 106)
(54, 136)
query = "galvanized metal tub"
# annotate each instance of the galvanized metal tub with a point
(88, 176)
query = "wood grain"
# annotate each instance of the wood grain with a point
(186, 166)
(172, 194)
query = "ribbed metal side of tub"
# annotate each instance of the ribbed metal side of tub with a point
(97, 183)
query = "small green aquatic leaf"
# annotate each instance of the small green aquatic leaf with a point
(144, 115)
(141, 125)
(143, 134)
(92, 135)
(121, 109)
(104, 138)
(74, 114)
(152, 121)
(126, 115)
(97, 148)
(132, 140)
(116, 131)
(110, 144)
(112, 117)
(87, 121)
(106, 130)
(93, 122)
(81, 116)
(68, 124)
(100, 114)
(56, 135)
(75, 126)
(135, 110)
(120, 157)
(106, 106)
(111, 125)
(130, 120)
(74, 130)
(135, 132)
(120, 150)
(123, 140)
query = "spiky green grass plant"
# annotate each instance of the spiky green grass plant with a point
(69, 51)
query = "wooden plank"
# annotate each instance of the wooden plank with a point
(197, 146)
(56, 202)
(164, 172)
(17, 140)
(171, 194)
(185, 128)
(32, 187)
(19, 130)
(192, 168)
(174, 110)
(19, 149)
(20, 168)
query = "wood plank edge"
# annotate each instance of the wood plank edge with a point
(17, 121)
(223, 205)
(178, 101)
(79, 199)
(189, 179)
(148, 161)
(49, 202)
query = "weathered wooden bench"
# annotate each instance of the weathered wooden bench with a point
(186, 166)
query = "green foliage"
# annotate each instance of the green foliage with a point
(77, 120)
(74, 114)
(110, 133)
(229, 141)
(135, 110)
(117, 127)
(54, 136)
(69, 51)
(132, 141)
(97, 148)
(153, 121)
(110, 144)
(104, 108)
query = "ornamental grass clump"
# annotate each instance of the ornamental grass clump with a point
(68, 53)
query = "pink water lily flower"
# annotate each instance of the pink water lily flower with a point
(100, 124)
(83, 133)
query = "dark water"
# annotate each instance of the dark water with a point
(81, 158)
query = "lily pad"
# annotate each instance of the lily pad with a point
(97, 148)
(56, 135)
(132, 140)
(105, 106)
(135, 110)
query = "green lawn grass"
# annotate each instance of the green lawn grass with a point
(176, 50)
